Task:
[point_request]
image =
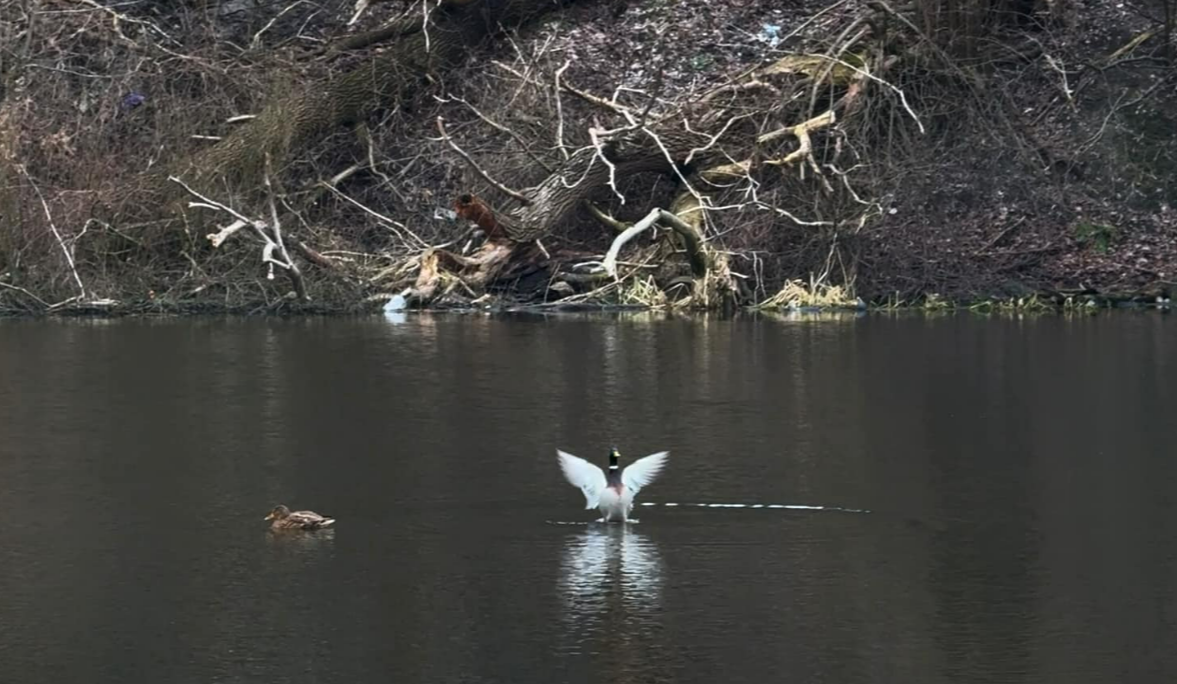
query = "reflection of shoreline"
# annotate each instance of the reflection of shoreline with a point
(606, 563)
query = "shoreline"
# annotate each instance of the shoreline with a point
(1042, 303)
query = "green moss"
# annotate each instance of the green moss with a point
(1098, 236)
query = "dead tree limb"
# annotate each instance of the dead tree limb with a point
(269, 233)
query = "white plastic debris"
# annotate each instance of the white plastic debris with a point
(771, 34)
(396, 303)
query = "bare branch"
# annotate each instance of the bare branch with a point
(604, 218)
(714, 139)
(514, 194)
(257, 37)
(69, 257)
(610, 261)
(801, 131)
(560, 115)
(212, 203)
(218, 238)
(361, 5)
(25, 292)
(276, 230)
(595, 135)
(396, 226)
(876, 79)
(272, 242)
(514, 136)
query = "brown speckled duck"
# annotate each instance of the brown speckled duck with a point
(282, 518)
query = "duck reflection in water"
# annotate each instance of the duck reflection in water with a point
(301, 543)
(610, 569)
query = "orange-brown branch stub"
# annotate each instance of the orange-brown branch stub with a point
(473, 209)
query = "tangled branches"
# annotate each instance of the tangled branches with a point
(417, 156)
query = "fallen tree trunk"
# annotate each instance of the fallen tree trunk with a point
(591, 169)
(699, 154)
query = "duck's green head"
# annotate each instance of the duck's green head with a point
(614, 454)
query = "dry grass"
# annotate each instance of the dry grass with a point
(797, 294)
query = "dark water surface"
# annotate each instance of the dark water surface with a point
(1020, 478)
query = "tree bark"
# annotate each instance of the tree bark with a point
(584, 174)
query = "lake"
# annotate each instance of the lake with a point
(994, 499)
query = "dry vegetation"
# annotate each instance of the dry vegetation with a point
(250, 155)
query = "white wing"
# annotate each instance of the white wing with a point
(581, 473)
(643, 471)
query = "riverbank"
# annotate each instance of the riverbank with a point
(1044, 303)
(916, 169)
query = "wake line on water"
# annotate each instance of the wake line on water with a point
(791, 507)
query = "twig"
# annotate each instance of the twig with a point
(25, 292)
(402, 26)
(560, 116)
(691, 240)
(276, 230)
(838, 47)
(1068, 92)
(211, 203)
(944, 57)
(117, 18)
(218, 238)
(675, 167)
(397, 226)
(272, 242)
(587, 97)
(605, 218)
(514, 194)
(599, 101)
(69, 258)
(794, 219)
(425, 26)
(876, 79)
(801, 27)
(801, 131)
(714, 139)
(257, 37)
(361, 5)
(737, 87)
(595, 135)
(514, 136)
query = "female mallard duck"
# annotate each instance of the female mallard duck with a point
(613, 493)
(284, 519)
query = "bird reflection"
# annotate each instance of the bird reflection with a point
(300, 542)
(610, 568)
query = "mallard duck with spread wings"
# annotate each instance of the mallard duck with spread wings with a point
(611, 493)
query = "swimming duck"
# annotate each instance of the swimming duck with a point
(284, 519)
(611, 493)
